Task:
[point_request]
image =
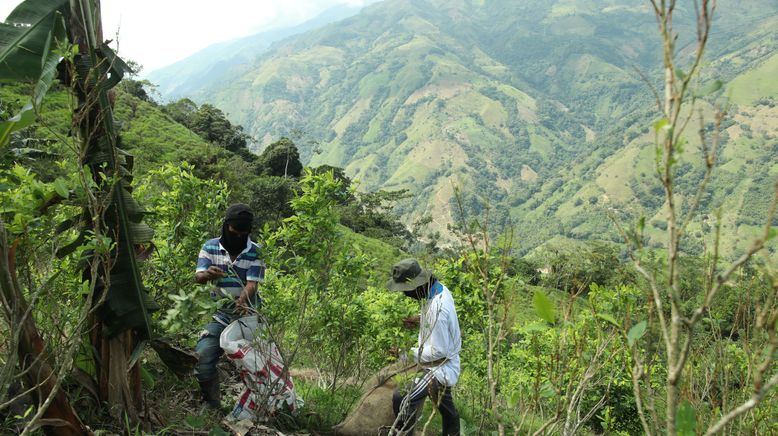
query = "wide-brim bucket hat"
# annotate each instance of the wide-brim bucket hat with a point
(408, 275)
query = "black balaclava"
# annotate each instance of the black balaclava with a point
(421, 292)
(238, 216)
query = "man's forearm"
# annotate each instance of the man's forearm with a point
(250, 289)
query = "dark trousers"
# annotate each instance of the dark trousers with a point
(209, 350)
(406, 406)
(208, 347)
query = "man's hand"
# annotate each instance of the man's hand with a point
(395, 352)
(412, 321)
(242, 302)
(214, 272)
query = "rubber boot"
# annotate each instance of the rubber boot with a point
(211, 393)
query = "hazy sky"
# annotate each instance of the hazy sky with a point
(156, 33)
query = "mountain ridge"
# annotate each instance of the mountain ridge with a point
(208, 66)
(506, 101)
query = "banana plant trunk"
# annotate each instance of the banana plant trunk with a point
(118, 384)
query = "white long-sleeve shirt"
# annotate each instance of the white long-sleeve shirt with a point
(439, 335)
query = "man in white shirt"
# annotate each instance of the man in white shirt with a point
(438, 350)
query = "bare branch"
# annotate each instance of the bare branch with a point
(650, 86)
(657, 298)
(743, 408)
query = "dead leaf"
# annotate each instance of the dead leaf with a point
(240, 428)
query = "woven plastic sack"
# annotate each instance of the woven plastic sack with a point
(267, 387)
(373, 412)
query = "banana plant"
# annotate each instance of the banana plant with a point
(28, 40)
(32, 40)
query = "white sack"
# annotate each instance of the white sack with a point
(268, 388)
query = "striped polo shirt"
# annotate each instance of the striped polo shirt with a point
(246, 267)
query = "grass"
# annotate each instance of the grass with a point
(333, 154)
(384, 113)
(526, 104)
(384, 254)
(756, 83)
(483, 60)
(417, 25)
(573, 25)
(351, 116)
(615, 174)
(561, 9)
(269, 71)
(322, 409)
(493, 114)
(408, 176)
(469, 102)
(539, 143)
(294, 65)
(483, 138)
(419, 45)
(371, 83)
(362, 170)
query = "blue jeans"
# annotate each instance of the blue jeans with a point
(208, 345)
(209, 350)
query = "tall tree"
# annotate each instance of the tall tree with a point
(280, 159)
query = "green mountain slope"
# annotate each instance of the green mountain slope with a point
(209, 66)
(154, 140)
(534, 105)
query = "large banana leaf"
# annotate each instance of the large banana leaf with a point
(24, 118)
(25, 38)
(20, 45)
(127, 304)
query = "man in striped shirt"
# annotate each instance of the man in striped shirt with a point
(233, 265)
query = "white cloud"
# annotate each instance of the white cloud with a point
(156, 33)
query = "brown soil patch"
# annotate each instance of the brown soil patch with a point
(528, 174)
(440, 90)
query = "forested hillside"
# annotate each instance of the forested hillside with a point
(539, 107)
(607, 245)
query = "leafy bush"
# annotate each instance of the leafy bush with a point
(186, 211)
(314, 303)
